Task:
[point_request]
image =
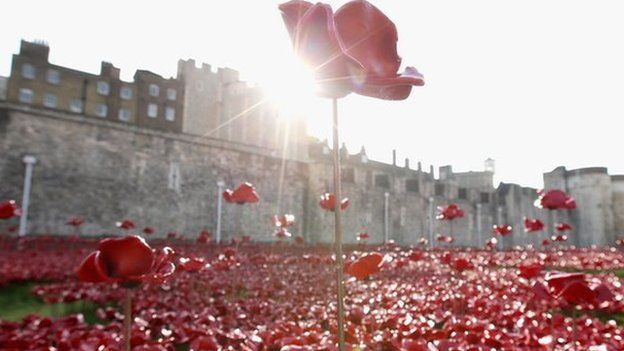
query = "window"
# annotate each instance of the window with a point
(382, 180)
(154, 90)
(412, 185)
(125, 93)
(170, 114)
(348, 175)
(53, 77)
(103, 88)
(152, 110)
(49, 100)
(101, 110)
(462, 193)
(171, 94)
(75, 105)
(124, 115)
(28, 71)
(485, 198)
(439, 190)
(26, 96)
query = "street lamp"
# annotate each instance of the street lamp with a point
(29, 161)
(220, 186)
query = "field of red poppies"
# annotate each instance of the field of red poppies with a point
(249, 296)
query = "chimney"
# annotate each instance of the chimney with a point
(431, 170)
(419, 166)
(394, 157)
(407, 163)
(108, 70)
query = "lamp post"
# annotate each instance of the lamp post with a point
(431, 214)
(29, 161)
(386, 234)
(220, 186)
(479, 225)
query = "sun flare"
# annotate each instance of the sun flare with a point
(292, 90)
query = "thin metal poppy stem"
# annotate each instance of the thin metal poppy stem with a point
(127, 323)
(338, 229)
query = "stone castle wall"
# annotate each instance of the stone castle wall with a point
(105, 171)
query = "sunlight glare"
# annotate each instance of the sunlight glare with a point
(292, 90)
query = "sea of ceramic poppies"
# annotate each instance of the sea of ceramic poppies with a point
(247, 296)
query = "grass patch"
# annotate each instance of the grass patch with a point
(17, 301)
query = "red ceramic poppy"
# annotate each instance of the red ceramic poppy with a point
(204, 237)
(578, 293)
(557, 281)
(283, 221)
(501, 230)
(532, 225)
(529, 271)
(244, 194)
(563, 227)
(441, 238)
(545, 242)
(148, 230)
(8, 209)
(172, 235)
(362, 236)
(299, 239)
(125, 224)
(365, 266)
(352, 50)
(450, 212)
(559, 238)
(327, 202)
(192, 264)
(74, 222)
(555, 200)
(491, 243)
(461, 264)
(450, 239)
(127, 260)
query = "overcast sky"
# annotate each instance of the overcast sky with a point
(533, 84)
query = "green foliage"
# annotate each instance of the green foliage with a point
(17, 301)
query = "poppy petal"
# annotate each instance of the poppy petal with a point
(127, 256)
(92, 269)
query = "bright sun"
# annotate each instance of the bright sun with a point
(292, 90)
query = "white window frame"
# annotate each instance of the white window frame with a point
(124, 115)
(97, 110)
(103, 88)
(76, 105)
(124, 95)
(152, 110)
(50, 100)
(28, 71)
(170, 114)
(23, 92)
(154, 90)
(172, 94)
(175, 180)
(53, 77)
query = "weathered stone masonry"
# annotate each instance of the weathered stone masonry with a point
(105, 171)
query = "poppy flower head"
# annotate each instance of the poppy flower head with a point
(204, 237)
(555, 200)
(299, 239)
(362, 236)
(563, 227)
(148, 230)
(450, 212)
(532, 225)
(529, 271)
(461, 264)
(491, 243)
(125, 224)
(8, 209)
(501, 230)
(127, 259)
(192, 264)
(559, 238)
(74, 222)
(441, 238)
(557, 281)
(244, 194)
(328, 202)
(283, 221)
(351, 50)
(365, 265)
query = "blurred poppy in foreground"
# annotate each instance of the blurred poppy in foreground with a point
(365, 266)
(555, 200)
(128, 260)
(8, 209)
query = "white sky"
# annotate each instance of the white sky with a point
(533, 84)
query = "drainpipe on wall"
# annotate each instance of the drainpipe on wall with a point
(499, 219)
(29, 161)
(431, 241)
(479, 225)
(220, 186)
